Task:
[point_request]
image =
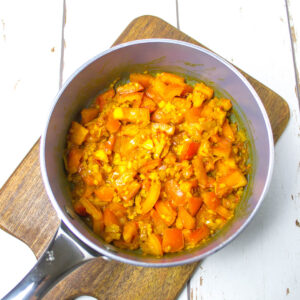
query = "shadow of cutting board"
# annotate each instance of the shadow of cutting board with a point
(26, 211)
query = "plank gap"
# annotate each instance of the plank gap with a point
(189, 289)
(296, 71)
(62, 48)
(177, 15)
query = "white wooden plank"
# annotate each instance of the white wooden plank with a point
(263, 262)
(30, 39)
(16, 259)
(92, 26)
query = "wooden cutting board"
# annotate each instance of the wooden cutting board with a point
(26, 211)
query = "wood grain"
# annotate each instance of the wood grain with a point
(26, 212)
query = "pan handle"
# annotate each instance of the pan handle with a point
(65, 253)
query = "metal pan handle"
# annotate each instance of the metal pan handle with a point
(65, 253)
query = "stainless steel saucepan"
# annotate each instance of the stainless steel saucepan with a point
(74, 243)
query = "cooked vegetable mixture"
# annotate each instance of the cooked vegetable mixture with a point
(156, 164)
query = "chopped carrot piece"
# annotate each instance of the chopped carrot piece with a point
(210, 199)
(189, 150)
(105, 193)
(88, 114)
(130, 231)
(144, 79)
(176, 195)
(77, 133)
(172, 240)
(194, 203)
(130, 87)
(166, 212)
(188, 221)
(74, 158)
(152, 197)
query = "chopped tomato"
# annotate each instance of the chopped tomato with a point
(194, 203)
(211, 200)
(166, 212)
(172, 240)
(196, 235)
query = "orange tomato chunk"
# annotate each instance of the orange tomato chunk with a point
(166, 212)
(172, 240)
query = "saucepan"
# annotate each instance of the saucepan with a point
(74, 242)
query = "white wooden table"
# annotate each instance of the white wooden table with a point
(38, 51)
